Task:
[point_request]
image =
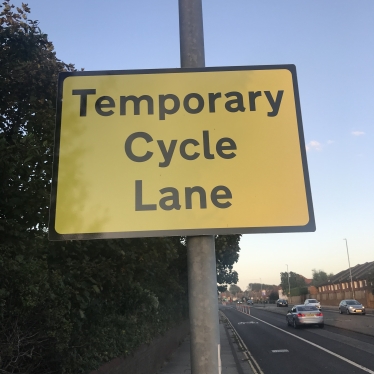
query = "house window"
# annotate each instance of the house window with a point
(365, 283)
(360, 283)
(335, 287)
(355, 284)
(343, 286)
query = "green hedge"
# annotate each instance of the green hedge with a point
(67, 308)
(298, 291)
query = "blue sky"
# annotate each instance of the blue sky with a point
(331, 44)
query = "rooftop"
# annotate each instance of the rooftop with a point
(359, 272)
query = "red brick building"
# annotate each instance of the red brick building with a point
(339, 287)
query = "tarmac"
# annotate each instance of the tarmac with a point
(233, 359)
(361, 324)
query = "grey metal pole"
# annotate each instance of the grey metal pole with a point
(350, 272)
(202, 295)
(191, 34)
(202, 273)
(288, 278)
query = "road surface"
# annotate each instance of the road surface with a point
(275, 348)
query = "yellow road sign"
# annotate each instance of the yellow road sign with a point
(179, 152)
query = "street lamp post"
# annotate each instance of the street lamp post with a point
(261, 287)
(288, 279)
(350, 272)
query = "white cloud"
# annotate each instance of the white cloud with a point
(330, 141)
(358, 133)
(314, 145)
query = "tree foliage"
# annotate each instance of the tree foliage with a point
(28, 71)
(67, 307)
(234, 289)
(320, 276)
(273, 296)
(227, 254)
(295, 280)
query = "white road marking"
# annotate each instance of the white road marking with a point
(344, 339)
(250, 358)
(280, 350)
(219, 359)
(317, 346)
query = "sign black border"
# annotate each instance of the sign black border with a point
(54, 235)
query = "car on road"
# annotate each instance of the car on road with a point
(351, 307)
(250, 302)
(313, 302)
(302, 315)
(282, 302)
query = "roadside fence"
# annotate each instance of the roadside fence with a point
(243, 308)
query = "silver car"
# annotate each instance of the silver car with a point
(313, 302)
(351, 307)
(301, 315)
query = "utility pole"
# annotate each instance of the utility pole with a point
(350, 272)
(202, 273)
(288, 279)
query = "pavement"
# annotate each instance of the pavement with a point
(233, 358)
